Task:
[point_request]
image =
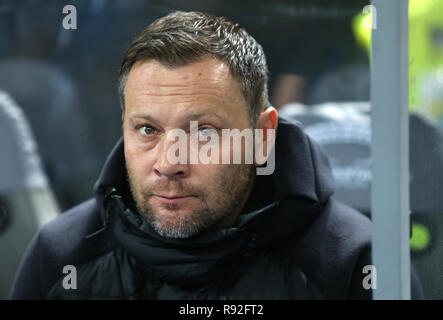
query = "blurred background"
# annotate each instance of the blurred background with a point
(60, 113)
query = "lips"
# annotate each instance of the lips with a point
(170, 196)
(172, 199)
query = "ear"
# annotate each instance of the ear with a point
(267, 120)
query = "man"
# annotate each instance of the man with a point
(164, 229)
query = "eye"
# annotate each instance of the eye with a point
(206, 131)
(147, 131)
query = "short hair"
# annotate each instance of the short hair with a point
(182, 38)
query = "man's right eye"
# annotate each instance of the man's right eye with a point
(147, 131)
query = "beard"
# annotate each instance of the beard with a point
(220, 199)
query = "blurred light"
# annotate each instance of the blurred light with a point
(420, 237)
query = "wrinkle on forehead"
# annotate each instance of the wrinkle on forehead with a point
(207, 80)
(206, 73)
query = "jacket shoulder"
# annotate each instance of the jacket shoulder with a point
(334, 250)
(64, 233)
(59, 243)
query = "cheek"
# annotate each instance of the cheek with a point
(138, 162)
(211, 177)
(204, 175)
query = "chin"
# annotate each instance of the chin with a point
(174, 230)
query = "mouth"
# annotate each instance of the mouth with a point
(174, 199)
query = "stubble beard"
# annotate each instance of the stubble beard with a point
(221, 201)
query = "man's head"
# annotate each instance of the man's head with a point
(182, 38)
(184, 67)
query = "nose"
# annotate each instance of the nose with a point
(167, 164)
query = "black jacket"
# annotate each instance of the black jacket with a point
(292, 241)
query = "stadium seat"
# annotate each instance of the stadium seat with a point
(26, 200)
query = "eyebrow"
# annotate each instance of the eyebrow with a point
(193, 116)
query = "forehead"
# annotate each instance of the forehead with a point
(151, 72)
(205, 83)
